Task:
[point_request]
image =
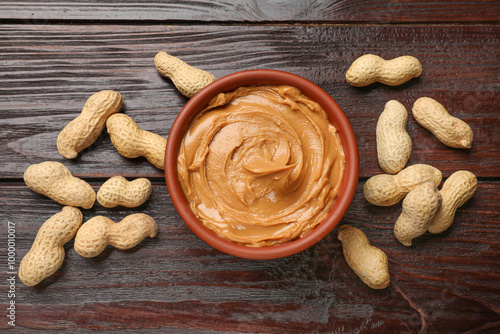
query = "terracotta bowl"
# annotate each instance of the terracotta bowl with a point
(254, 78)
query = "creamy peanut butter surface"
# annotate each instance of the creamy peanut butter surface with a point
(261, 165)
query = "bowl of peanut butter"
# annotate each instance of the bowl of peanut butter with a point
(261, 164)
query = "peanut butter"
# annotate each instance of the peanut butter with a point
(261, 165)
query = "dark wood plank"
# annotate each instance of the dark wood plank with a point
(177, 282)
(48, 72)
(253, 11)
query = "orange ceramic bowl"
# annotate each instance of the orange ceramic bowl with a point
(255, 78)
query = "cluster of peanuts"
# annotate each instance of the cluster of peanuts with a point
(54, 180)
(424, 208)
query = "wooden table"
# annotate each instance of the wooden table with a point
(54, 55)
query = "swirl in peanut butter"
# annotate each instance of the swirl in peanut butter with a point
(261, 165)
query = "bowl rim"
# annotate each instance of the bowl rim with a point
(253, 78)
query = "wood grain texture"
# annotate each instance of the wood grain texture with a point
(49, 71)
(253, 11)
(54, 55)
(175, 282)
